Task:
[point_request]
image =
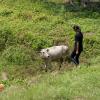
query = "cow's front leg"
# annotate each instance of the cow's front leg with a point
(61, 61)
(45, 66)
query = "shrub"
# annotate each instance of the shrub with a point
(25, 15)
(6, 38)
(41, 42)
(6, 13)
(37, 42)
(19, 55)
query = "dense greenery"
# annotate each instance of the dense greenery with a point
(78, 84)
(26, 26)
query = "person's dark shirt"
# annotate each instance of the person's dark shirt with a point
(79, 39)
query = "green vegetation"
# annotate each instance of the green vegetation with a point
(78, 84)
(26, 26)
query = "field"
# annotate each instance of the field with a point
(26, 26)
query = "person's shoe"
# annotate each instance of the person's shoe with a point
(73, 60)
(78, 66)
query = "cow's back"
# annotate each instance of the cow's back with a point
(57, 51)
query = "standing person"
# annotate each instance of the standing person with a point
(78, 45)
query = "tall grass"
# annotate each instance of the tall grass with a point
(28, 26)
(78, 84)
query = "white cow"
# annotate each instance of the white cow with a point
(54, 53)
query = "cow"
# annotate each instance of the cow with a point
(54, 53)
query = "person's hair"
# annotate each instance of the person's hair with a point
(76, 28)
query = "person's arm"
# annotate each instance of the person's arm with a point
(77, 39)
(77, 47)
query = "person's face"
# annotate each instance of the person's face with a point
(77, 30)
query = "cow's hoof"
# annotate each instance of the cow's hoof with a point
(59, 68)
(46, 70)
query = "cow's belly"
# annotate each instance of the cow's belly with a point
(55, 57)
(55, 54)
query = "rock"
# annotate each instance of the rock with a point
(4, 76)
(1, 87)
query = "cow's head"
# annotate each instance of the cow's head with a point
(44, 53)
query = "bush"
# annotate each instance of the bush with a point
(37, 42)
(19, 55)
(41, 42)
(6, 38)
(91, 47)
(6, 13)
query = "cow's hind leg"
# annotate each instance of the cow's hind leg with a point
(45, 68)
(46, 64)
(61, 61)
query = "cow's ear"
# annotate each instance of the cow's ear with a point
(47, 50)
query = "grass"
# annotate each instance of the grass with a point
(26, 26)
(77, 84)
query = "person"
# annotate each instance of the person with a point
(78, 45)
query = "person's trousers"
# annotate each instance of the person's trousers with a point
(75, 56)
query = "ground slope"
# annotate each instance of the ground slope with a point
(77, 84)
(26, 26)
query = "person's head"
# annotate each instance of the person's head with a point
(76, 28)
